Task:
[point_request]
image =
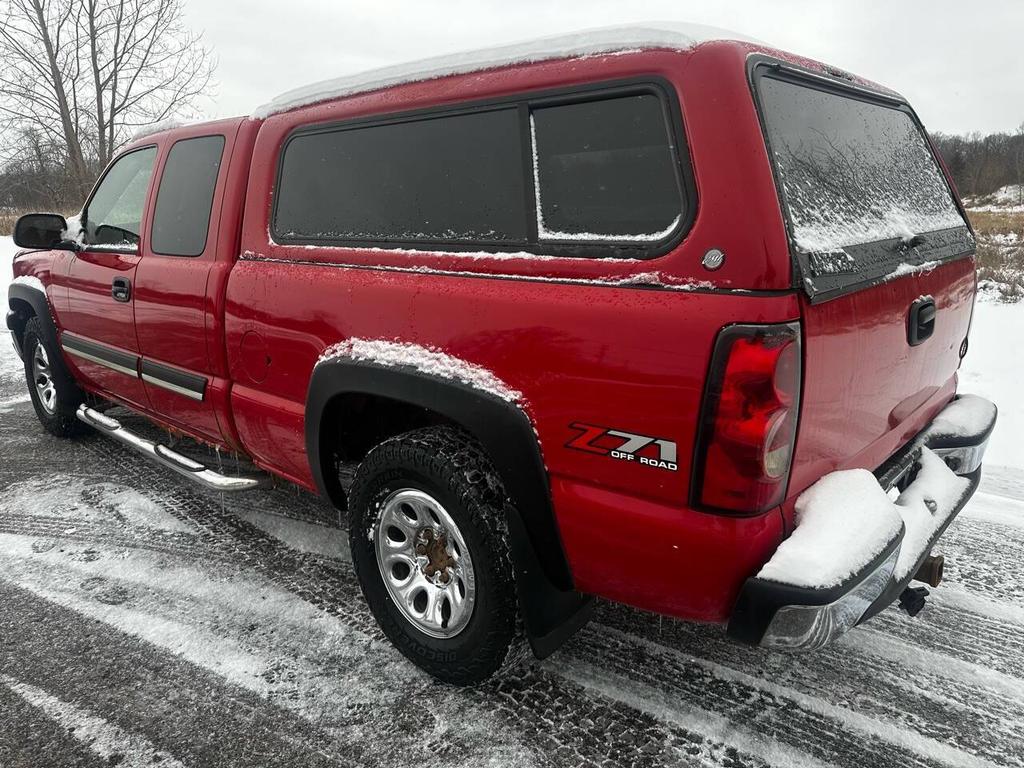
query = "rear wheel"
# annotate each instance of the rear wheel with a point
(55, 395)
(429, 542)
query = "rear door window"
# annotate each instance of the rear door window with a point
(184, 200)
(605, 170)
(862, 189)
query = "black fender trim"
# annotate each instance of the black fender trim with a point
(552, 610)
(40, 305)
(14, 325)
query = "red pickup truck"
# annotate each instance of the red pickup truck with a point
(637, 314)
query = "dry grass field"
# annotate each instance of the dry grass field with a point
(1000, 253)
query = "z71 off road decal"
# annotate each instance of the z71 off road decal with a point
(624, 446)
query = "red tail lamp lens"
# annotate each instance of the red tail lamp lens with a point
(749, 418)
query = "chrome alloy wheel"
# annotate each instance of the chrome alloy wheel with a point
(43, 378)
(425, 563)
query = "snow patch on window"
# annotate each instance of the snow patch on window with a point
(431, 361)
(590, 42)
(650, 237)
(829, 226)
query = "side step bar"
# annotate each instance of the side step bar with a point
(166, 457)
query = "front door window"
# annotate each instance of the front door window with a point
(113, 216)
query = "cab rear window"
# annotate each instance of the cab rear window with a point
(858, 180)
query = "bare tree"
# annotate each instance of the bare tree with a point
(40, 71)
(1020, 164)
(87, 74)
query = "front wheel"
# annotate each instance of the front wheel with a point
(55, 395)
(429, 542)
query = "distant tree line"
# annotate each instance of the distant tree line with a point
(981, 164)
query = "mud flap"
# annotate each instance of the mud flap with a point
(550, 615)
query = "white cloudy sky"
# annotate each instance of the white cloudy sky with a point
(960, 63)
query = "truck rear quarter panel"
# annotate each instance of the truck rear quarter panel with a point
(579, 349)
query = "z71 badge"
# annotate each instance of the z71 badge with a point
(625, 446)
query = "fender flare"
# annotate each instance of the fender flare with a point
(552, 610)
(40, 305)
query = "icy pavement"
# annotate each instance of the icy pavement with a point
(141, 619)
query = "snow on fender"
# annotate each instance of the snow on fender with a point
(424, 359)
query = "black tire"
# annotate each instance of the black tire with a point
(59, 419)
(449, 466)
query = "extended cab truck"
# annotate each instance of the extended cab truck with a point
(667, 320)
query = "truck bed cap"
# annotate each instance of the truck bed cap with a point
(589, 42)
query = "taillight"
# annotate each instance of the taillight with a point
(748, 423)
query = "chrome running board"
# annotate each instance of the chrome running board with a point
(166, 457)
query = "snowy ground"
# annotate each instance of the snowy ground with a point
(143, 621)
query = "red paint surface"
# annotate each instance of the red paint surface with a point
(628, 358)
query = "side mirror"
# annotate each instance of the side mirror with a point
(42, 231)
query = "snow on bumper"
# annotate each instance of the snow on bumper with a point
(854, 550)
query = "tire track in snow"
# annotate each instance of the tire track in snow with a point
(104, 739)
(959, 712)
(828, 732)
(30, 738)
(984, 556)
(538, 701)
(965, 634)
(193, 714)
(546, 706)
(579, 728)
(618, 687)
(269, 642)
(570, 723)
(320, 582)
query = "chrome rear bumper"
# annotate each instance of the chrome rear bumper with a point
(774, 614)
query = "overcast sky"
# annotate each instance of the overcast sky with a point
(960, 63)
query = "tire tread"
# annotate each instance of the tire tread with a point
(456, 461)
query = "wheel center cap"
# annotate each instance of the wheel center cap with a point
(433, 545)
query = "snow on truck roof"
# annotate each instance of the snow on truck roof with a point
(589, 42)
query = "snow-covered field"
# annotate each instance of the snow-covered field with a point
(1008, 199)
(143, 621)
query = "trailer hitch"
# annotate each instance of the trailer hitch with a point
(912, 600)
